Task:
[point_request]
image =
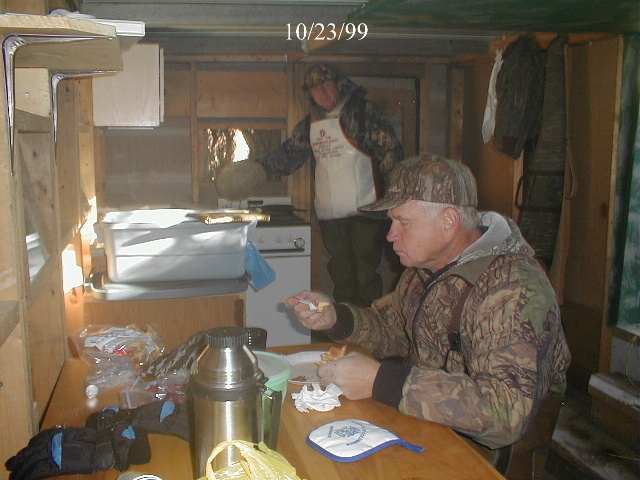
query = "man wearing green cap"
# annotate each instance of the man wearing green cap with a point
(473, 317)
(352, 148)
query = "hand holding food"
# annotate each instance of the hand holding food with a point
(354, 374)
(313, 309)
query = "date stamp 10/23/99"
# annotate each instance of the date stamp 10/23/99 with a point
(327, 31)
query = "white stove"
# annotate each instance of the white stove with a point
(285, 244)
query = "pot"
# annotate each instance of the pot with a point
(278, 209)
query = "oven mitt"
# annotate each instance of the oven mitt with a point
(260, 273)
(351, 440)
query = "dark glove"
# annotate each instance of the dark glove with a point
(163, 417)
(63, 451)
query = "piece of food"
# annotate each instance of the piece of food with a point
(322, 306)
(334, 353)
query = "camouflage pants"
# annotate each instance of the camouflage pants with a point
(355, 245)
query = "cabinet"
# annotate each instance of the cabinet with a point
(135, 96)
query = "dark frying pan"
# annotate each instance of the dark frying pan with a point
(279, 209)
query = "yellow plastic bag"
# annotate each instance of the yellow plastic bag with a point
(260, 463)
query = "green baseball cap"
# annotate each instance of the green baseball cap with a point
(319, 74)
(430, 178)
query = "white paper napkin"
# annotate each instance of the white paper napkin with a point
(317, 398)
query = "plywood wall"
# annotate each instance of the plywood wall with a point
(592, 86)
(232, 94)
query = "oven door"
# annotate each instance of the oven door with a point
(266, 308)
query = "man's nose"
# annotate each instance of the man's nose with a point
(391, 234)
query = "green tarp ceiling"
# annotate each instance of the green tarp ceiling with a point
(559, 16)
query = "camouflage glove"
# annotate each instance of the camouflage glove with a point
(63, 451)
(163, 417)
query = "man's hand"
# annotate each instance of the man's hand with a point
(322, 319)
(354, 374)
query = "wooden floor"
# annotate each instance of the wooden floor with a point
(582, 451)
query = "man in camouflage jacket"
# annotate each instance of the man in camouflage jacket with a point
(512, 352)
(352, 148)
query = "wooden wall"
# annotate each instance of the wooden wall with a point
(592, 82)
(593, 76)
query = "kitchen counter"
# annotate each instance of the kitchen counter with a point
(446, 455)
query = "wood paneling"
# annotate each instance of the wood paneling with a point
(456, 113)
(242, 94)
(177, 99)
(34, 7)
(175, 319)
(592, 86)
(67, 157)
(17, 421)
(591, 106)
(47, 339)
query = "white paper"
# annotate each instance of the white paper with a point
(317, 398)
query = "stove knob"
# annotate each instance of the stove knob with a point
(299, 243)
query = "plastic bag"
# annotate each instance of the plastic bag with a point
(103, 378)
(115, 355)
(98, 344)
(259, 463)
(173, 386)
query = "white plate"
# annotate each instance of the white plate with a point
(304, 364)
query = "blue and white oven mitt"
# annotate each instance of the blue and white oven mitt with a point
(260, 272)
(351, 440)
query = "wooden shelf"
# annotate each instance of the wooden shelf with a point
(104, 53)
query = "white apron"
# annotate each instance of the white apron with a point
(343, 176)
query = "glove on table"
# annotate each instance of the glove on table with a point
(163, 417)
(63, 451)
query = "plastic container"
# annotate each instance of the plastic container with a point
(164, 245)
(276, 368)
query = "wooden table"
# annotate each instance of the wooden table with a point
(446, 455)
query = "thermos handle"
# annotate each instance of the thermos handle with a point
(275, 399)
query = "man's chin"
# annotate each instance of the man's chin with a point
(404, 260)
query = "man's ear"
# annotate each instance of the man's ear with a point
(450, 222)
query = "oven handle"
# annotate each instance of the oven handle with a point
(271, 251)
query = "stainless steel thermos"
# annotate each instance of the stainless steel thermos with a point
(230, 397)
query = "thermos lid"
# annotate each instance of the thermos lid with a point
(227, 337)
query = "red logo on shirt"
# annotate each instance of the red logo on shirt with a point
(323, 133)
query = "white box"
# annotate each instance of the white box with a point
(166, 245)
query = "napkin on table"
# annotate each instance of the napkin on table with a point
(317, 398)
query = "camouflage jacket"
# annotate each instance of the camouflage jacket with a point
(363, 122)
(513, 347)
